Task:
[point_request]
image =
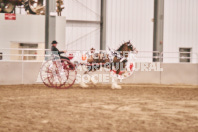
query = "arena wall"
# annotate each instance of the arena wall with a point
(19, 72)
(179, 74)
(180, 28)
(20, 31)
(12, 73)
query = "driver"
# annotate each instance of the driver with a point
(53, 48)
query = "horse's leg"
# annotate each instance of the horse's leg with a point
(94, 82)
(95, 68)
(115, 80)
(115, 83)
(82, 83)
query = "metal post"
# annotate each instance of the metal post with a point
(103, 25)
(22, 77)
(47, 12)
(158, 27)
(50, 23)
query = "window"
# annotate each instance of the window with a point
(185, 54)
(29, 54)
(1, 56)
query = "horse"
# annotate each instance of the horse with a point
(110, 60)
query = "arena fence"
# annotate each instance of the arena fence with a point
(22, 66)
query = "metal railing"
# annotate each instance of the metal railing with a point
(18, 55)
(39, 55)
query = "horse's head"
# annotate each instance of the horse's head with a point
(131, 47)
(128, 46)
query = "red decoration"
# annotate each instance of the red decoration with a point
(131, 66)
(71, 56)
(9, 16)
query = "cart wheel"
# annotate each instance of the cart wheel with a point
(71, 73)
(45, 73)
(59, 74)
(53, 74)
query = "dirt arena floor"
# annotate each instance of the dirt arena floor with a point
(135, 108)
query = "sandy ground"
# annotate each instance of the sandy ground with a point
(156, 108)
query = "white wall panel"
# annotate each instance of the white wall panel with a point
(28, 29)
(180, 28)
(82, 36)
(82, 10)
(130, 20)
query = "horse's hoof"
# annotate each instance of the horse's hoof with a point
(94, 83)
(116, 87)
(84, 86)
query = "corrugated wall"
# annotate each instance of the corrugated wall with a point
(82, 10)
(180, 28)
(82, 36)
(83, 24)
(131, 20)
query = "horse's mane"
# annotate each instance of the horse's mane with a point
(121, 46)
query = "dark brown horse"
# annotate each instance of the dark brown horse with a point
(116, 59)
